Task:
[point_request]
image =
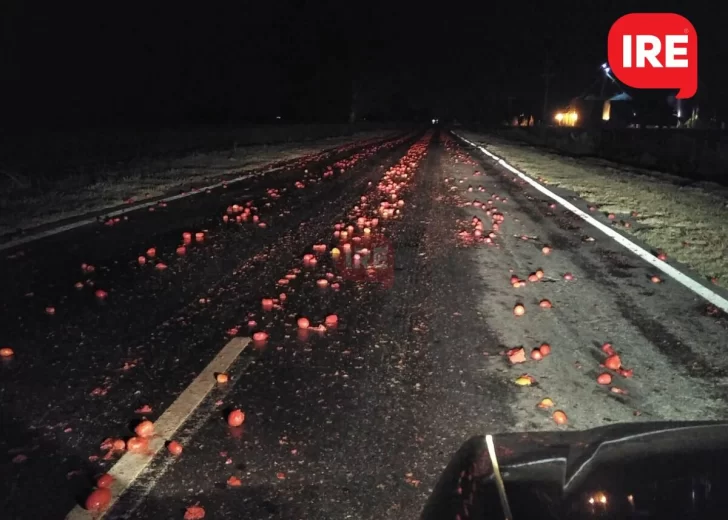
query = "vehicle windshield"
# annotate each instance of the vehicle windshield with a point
(269, 260)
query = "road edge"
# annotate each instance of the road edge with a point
(109, 212)
(674, 273)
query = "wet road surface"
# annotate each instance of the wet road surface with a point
(352, 421)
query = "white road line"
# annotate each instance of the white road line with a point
(131, 465)
(645, 255)
(85, 222)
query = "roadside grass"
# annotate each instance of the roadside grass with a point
(689, 221)
(26, 205)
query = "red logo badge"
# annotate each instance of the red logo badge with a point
(655, 50)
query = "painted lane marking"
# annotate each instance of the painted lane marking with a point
(95, 220)
(131, 465)
(645, 255)
(87, 221)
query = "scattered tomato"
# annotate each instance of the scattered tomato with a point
(98, 500)
(613, 362)
(516, 355)
(194, 513)
(260, 336)
(175, 448)
(626, 372)
(303, 323)
(559, 417)
(604, 379)
(137, 445)
(607, 349)
(525, 380)
(144, 429)
(546, 403)
(236, 418)
(105, 481)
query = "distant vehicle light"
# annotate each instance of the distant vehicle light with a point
(559, 117)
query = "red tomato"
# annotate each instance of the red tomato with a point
(236, 418)
(144, 429)
(98, 500)
(175, 448)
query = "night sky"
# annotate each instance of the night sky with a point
(90, 64)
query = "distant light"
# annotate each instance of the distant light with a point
(567, 118)
(434, 121)
(278, 117)
(598, 498)
(607, 69)
(605, 66)
(679, 113)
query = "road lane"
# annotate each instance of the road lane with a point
(361, 425)
(372, 410)
(78, 375)
(661, 330)
(358, 421)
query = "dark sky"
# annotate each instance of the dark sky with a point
(82, 63)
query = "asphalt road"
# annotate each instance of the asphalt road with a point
(353, 421)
